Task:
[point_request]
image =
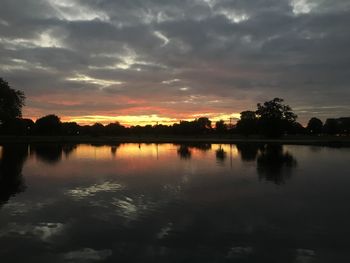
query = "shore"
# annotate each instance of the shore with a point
(296, 140)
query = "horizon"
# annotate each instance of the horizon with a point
(141, 120)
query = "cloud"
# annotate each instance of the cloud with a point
(161, 54)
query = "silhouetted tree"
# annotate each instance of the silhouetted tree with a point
(198, 126)
(114, 129)
(19, 126)
(162, 129)
(184, 127)
(337, 126)
(203, 125)
(28, 126)
(11, 103)
(220, 126)
(295, 128)
(48, 125)
(70, 128)
(331, 127)
(314, 126)
(247, 124)
(97, 129)
(141, 130)
(344, 125)
(274, 117)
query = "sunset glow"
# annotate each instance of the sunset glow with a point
(161, 62)
(143, 120)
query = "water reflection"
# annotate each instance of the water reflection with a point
(184, 152)
(249, 151)
(114, 149)
(220, 154)
(68, 149)
(275, 165)
(11, 163)
(204, 147)
(138, 208)
(272, 162)
(51, 153)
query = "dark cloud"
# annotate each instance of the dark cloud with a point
(226, 55)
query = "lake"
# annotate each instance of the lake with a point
(174, 203)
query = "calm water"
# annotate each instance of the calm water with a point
(174, 203)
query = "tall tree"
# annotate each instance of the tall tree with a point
(203, 124)
(48, 125)
(331, 126)
(11, 103)
(247, 123)
(314, 126)
(220, 126)
(275, 118)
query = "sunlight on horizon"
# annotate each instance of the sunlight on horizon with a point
(142, 120)
(127, 120)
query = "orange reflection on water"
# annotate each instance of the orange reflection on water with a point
(144, 150)
(0, 152)
(85, 151)
(132, 150)
(156, 151)
(133, 158)
(229, 149)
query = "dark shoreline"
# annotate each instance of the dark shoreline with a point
(342, 141)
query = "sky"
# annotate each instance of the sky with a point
(148, 61)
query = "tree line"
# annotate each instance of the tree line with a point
(271, 119)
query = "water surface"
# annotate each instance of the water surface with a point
(174, 203)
